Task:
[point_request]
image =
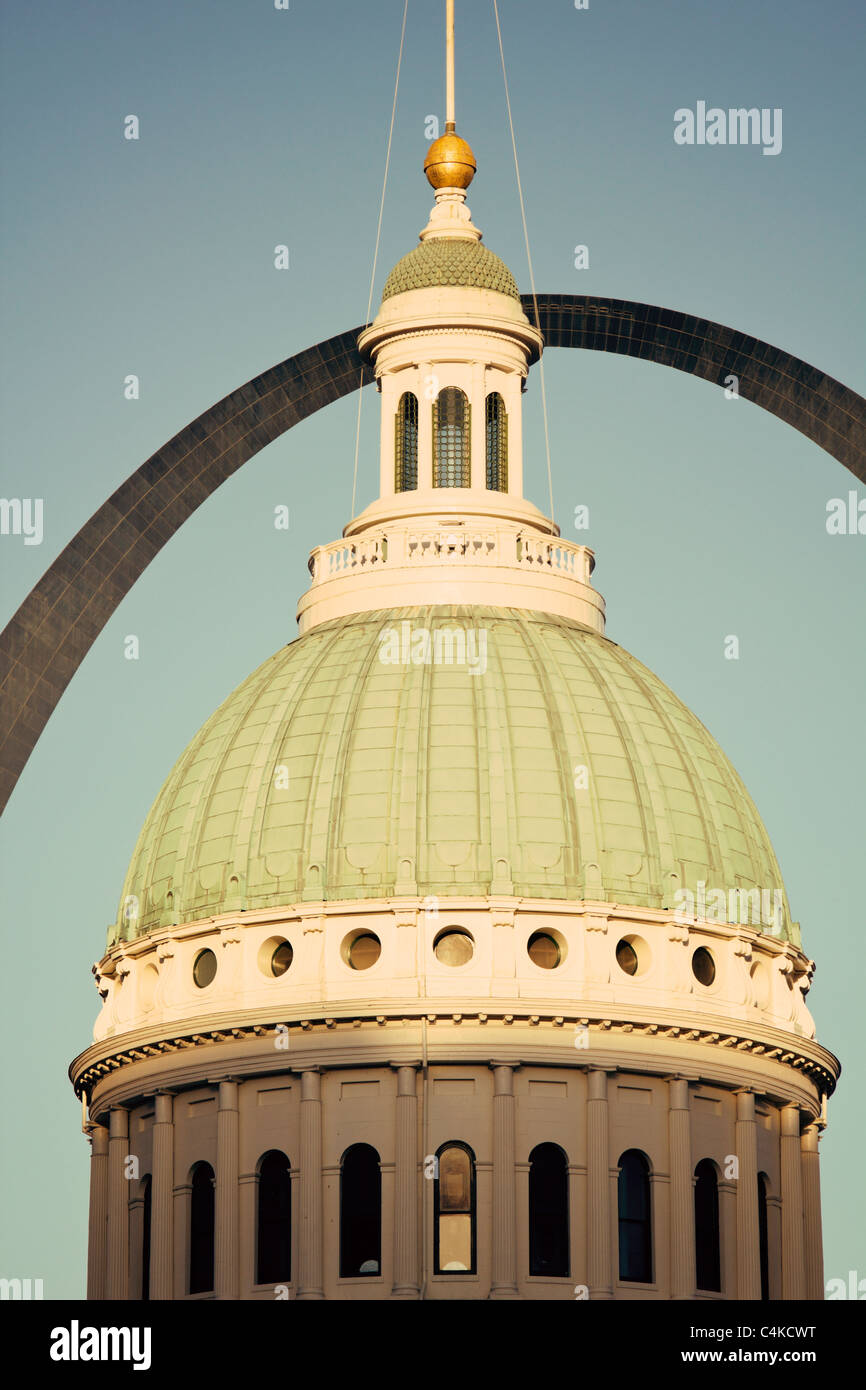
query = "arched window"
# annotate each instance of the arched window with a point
(496, 421)
(451, 438)
(763, 1235)
(454, 1210)
(201, 1229)
(548, 1211)
(147, 1206)
(274, 1223)
(635, 1225)
(406, 443)
(360, 1212)
(708, 1255)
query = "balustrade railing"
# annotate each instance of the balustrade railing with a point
(450, 546)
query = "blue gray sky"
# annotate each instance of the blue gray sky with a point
(155, 257)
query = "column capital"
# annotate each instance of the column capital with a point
(118, 1122)
(98, 1137)
(745, 1106)
(503, 1078)
(311, 1083)
(163, 1108)
(597, 1083)
(228, 1095)
(407, 1073)
(678, 1093)
(811, 1137)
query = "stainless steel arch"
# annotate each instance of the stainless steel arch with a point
(49, 636)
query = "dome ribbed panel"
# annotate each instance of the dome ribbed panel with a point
(442, 261)
(330, 774)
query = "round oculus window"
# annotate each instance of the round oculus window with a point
(204, 969)
(703, 966)
(364, 951)
(282, 958)
(454, 947)
(544, 950)
(626, 957)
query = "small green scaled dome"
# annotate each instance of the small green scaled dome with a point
(446, 261)
(332, 774)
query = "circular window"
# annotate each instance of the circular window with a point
(633, 955)
(282, 958)
(275, 955)
(204, 969)
(454, 947)
(544, 950)
(364, 951)
(703, 966)
(626, 957)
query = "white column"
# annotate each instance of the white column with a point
(248, 1191)
(793, 1283)
(728, 1235)
(387, 434)
(748, 1247)
(310, 1244)
(97, 1229)
(682, 1203)
(226, 1253)
(504, 1266)
(478, 438)
(514, 405)
(814, 1253)
(181, 1211)
(406, 1275)
(598, 1186)
(117, 1286)
(136, 1241)
(162, 1200)
(426, 395)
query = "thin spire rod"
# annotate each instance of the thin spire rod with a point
(449, 65)
(378, 239)
(528, 254)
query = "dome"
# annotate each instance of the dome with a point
(451, 261)
(333, 773)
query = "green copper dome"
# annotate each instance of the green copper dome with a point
(332, 773)
(440, 261)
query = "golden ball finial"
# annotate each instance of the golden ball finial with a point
(450, 162)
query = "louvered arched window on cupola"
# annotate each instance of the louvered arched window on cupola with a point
(406, 443)
(496, 423)
(451, 438)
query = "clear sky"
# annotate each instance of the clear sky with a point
(155, 257)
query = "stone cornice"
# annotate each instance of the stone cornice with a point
(805, 1059)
